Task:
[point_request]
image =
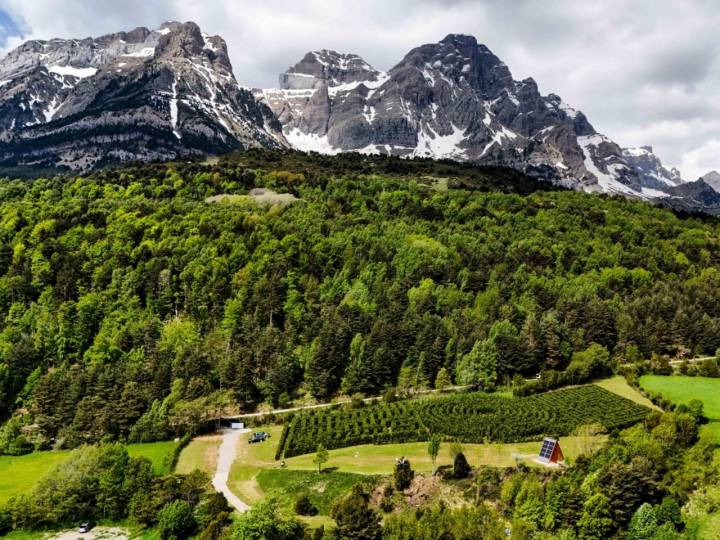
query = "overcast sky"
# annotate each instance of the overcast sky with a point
(646, 72)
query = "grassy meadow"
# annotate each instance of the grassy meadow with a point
(20, 474)
(681, 389)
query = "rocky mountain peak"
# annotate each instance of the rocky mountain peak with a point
(458, 59)
(456, 99)
(143, 94)
(327, 67)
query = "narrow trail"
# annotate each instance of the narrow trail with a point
(226, 457)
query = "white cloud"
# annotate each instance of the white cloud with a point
(701, 160)
(644, 71)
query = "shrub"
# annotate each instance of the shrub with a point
(708, 368)
(389, 395)
(386, 503)
(461, 467)
(443, 379)
(356, 401)
(354, 517)
(175, 520)
(304, 506)
(403, 474)
(487, 480)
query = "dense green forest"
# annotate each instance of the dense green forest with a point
(136, 303)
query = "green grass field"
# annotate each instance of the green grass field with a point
(249, 478)
(380, 459)
(19, 474)
(322, 489)
(680, 389)
(160, 453)
(201, 453)
(618, 385)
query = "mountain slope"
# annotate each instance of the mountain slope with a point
(455, 99)
(135, 95)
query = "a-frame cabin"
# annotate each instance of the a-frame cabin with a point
(551, 453)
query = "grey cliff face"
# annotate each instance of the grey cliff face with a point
(653, 174)
(136, 95)
(455, 99)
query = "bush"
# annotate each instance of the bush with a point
(403, 474)
(356, 401)
(443, 379)
(175, 520)
(354, 517)
(389, 395)
(386, 503)
(488, 483)
(708, 368)
(5, 523)
(304, 506)
(461, 467)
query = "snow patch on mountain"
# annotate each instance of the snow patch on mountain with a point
(71, 71)
(440, 146)
(606, 180)
(307, 142)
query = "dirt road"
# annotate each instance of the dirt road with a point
(226, 457)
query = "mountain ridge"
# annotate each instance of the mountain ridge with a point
(138, 95)
(456, 99)
(170, 93)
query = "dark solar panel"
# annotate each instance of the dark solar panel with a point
(547, 449)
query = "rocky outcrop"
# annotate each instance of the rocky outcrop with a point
(138, 95)
(455, 99)
(653, 174)
(698, 196)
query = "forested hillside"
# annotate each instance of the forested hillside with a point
(136, 302)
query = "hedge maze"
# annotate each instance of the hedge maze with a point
(467, 417)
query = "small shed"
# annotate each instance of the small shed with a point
(550, 453)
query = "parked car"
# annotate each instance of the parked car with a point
(260, 436)
(86, 527)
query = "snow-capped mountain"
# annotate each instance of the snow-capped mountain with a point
(169, 93)
(455, 99)
(135, 95)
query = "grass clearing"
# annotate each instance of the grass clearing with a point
(201, 453)
(370, 459)
(380, 459)
(20, 474)
(249, 461)
(618, 385)
(323, 489)
(681, 389)
(159, 453)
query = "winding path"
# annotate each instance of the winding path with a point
(226, 457)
